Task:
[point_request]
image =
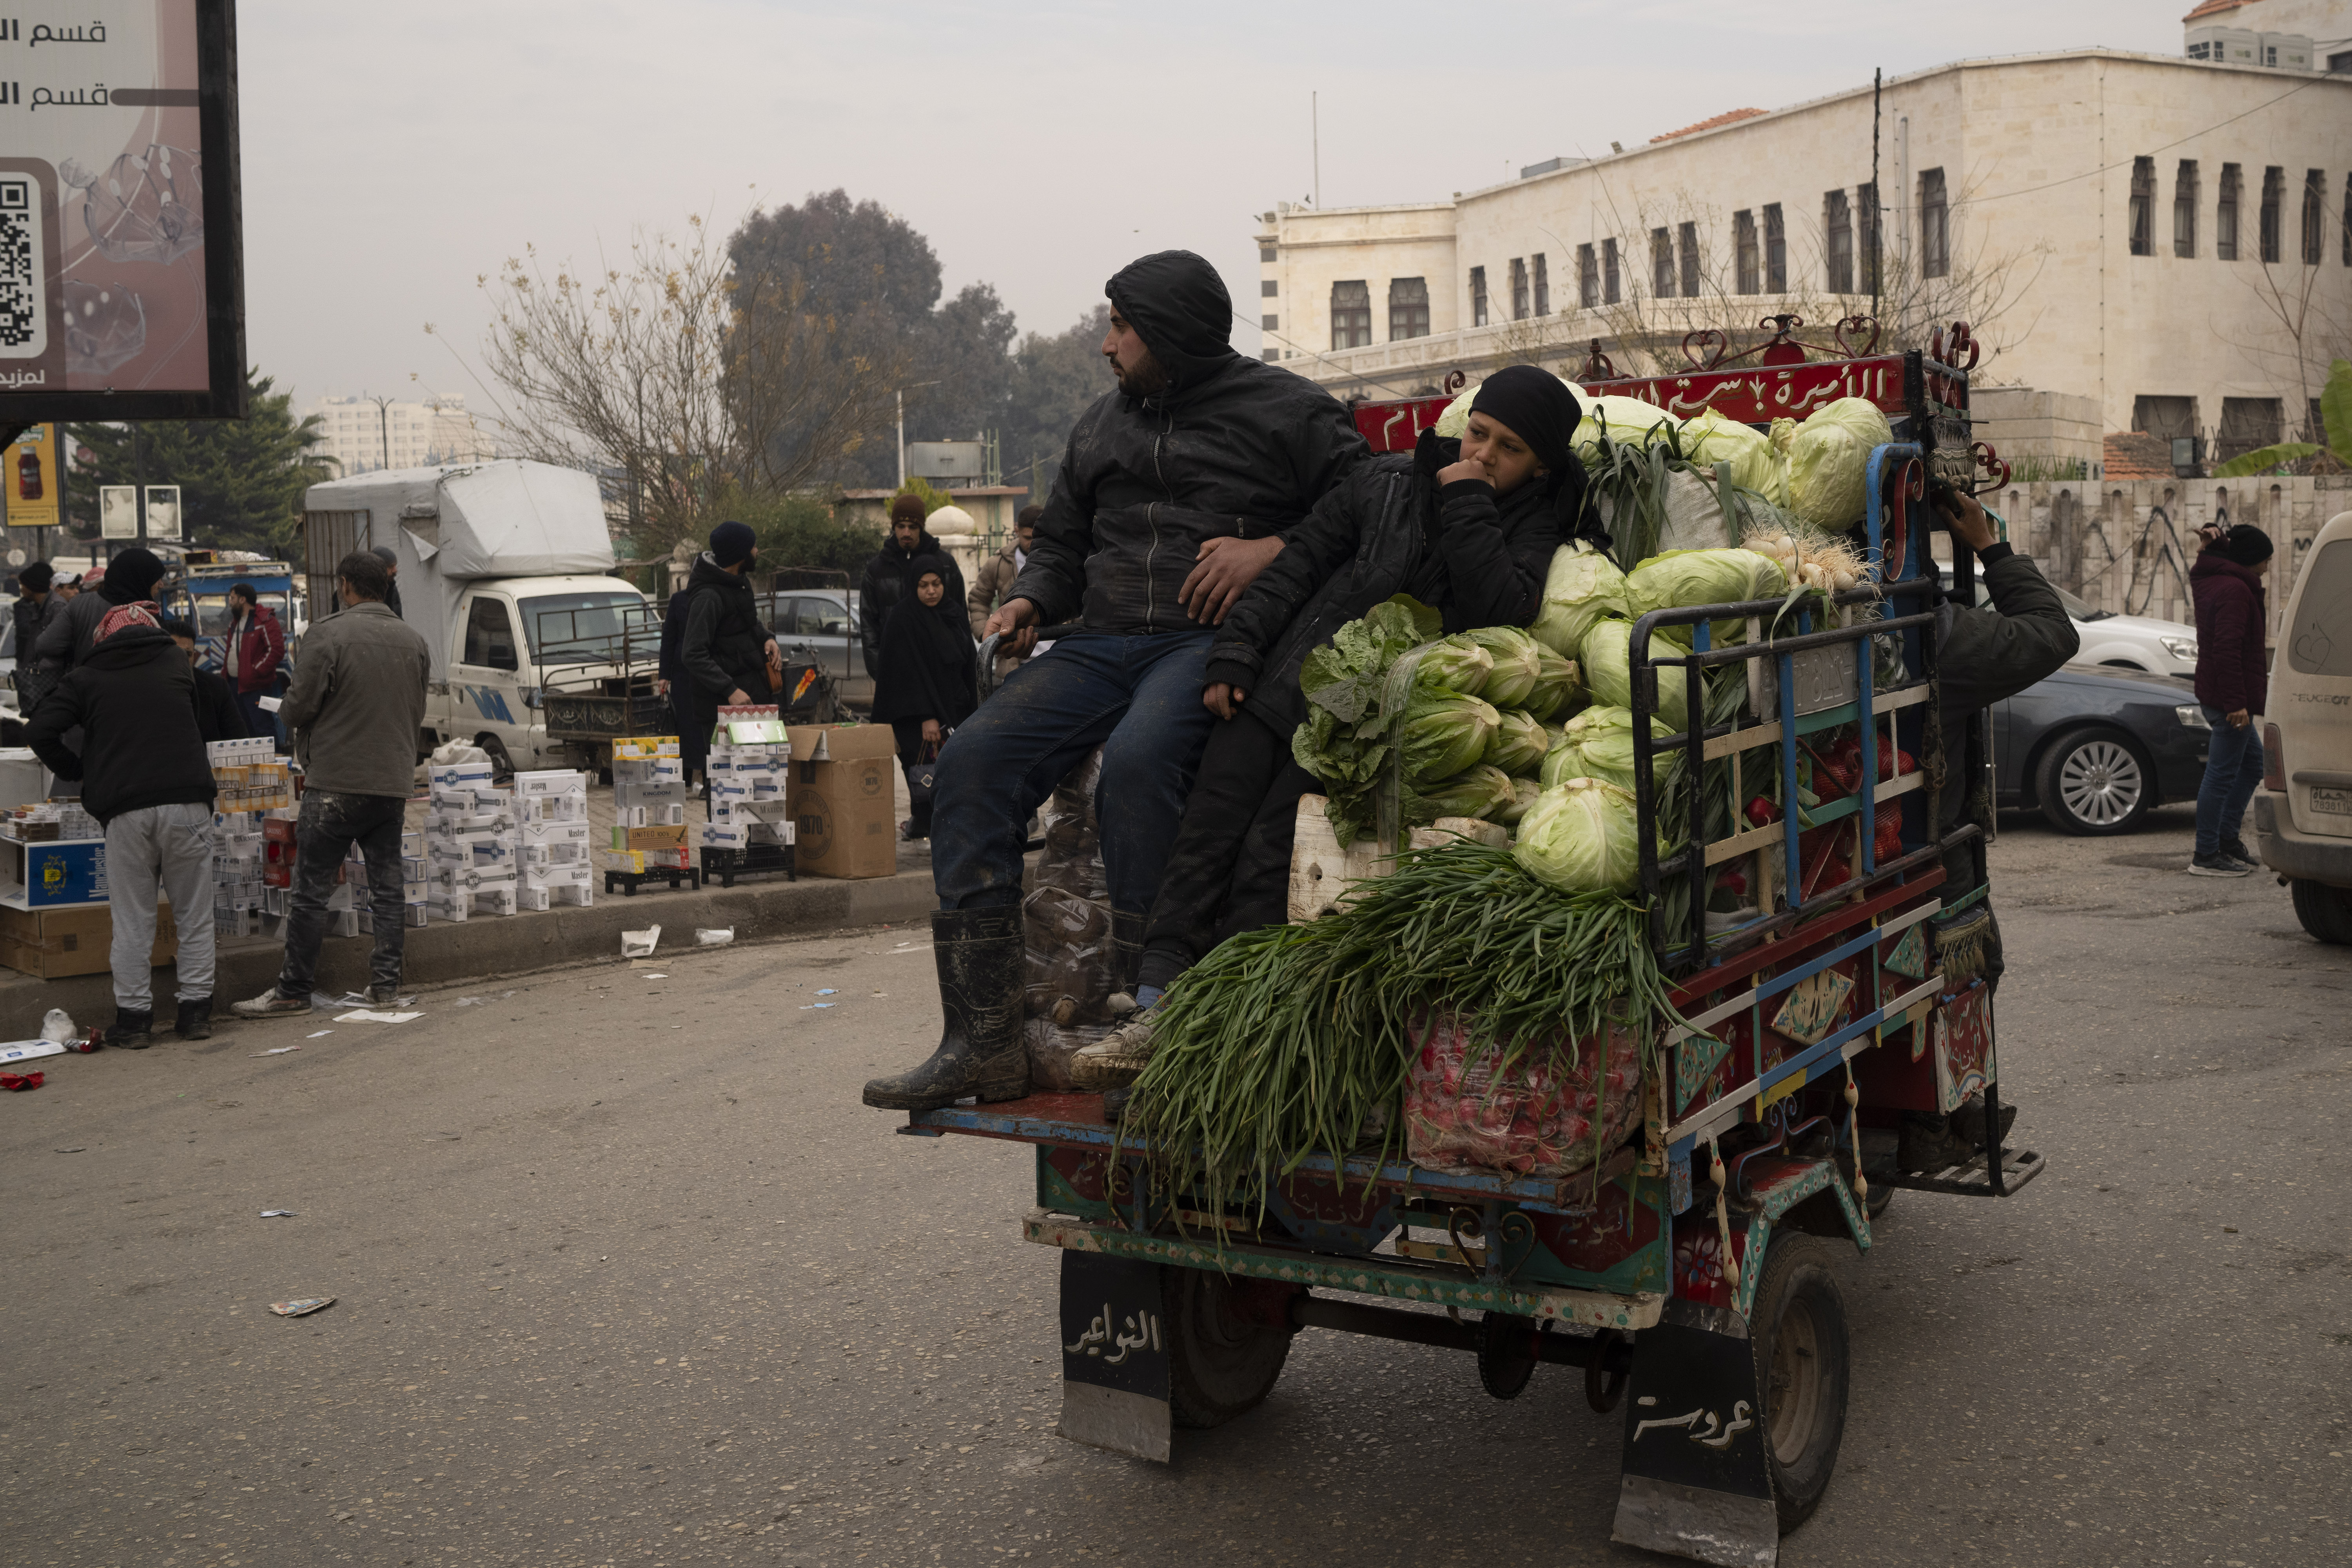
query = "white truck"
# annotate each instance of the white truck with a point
(505, 567)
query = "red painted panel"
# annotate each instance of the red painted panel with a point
(1616, 1228)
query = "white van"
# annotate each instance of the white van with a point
(2303, 813)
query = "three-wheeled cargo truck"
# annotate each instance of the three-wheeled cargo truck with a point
(1686, 1277)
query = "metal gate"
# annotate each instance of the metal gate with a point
(327, 538)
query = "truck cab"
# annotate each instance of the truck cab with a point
(511, 639)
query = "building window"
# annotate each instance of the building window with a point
(1268, 323)
(2274, 198)
(1776, 251)
(2314, 191)
(1588, 277)
(1351, 314)
(1690, 260)
(1265, 253)
(1837, 225)
(1518, 289)
(1661, 263)
(1408, 309)
(1272, 355)
(1267, 288)
(2247, 423)
(1865, 214)
(2143, 206)
(1611, 287)
(1543, 285)
(2184, 209)
(1934, 239)
(1477, 296)
(2169, 418)
(2225, 216)
(1748, 274)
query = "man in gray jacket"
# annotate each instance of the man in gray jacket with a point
(355, 710)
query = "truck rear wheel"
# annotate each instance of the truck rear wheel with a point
(1222, 1361)
(1796, 1329)
(2326, 912)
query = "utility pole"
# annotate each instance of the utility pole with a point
(1315, 123)
(1878, 83)
(383, 428)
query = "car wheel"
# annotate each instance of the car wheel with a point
(2095, 782)
(2326, 912)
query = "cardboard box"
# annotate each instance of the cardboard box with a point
(843, 801)
(55, 943)
(58, 872)
(665, 837)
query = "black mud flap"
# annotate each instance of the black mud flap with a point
(1695, 1483)
(1114, 1356)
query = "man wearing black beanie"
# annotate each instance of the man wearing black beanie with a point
(131, 579)
(35, 608)
(715, 652)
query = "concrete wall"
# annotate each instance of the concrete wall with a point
(2037, 156)
(2021, 423)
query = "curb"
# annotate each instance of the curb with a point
(444, 953)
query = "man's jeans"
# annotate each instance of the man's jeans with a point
(2233, 766)
(1138, 698)
(330, 824)
(172, 844)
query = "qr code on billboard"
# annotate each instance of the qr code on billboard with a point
(22, 322)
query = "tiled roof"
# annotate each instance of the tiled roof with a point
(1731, 117)
(2139, 456)
(2213, 8)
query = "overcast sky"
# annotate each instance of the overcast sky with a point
(394, 152)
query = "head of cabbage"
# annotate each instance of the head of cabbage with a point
(1481, 792)
(1679, 578)
(1829, 459)
(1516, 668)
(1625, 420)
(1581, 585)
(1754, 463)
(1442, 734)
(1581, 835)
(1518, 744)
(1608, 666)
(1557, 690)
(1456, 664)
(1598, 743)
(1524, 793)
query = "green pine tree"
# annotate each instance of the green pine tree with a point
(241, 481)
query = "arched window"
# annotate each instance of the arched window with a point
(1351, 314)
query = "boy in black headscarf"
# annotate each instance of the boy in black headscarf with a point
(1466, 527)
(928, 682)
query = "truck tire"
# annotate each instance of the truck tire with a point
(2326, 912)
(1220, 1364)
(502, 768)
(1796, 1329)
(2095, 782)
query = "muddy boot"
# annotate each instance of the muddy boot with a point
(196, 1020)
(983, 973)
(132, 1031)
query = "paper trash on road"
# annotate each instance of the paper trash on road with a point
(301, 1306)
(364, 1016)
(278, 1213)
(640, 943)
(59, 1026)
(282, 1050)
(29, 1050)
(719, 937)
(321, 1001)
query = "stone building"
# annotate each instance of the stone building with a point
(2164, 238)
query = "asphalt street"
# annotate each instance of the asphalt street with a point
(625, 1274)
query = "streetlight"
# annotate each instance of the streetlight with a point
(384, 427)
(901, 396)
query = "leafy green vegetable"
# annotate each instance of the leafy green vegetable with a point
(1517, 664)
(1480, 792)
(1598, 743)
(1443, 733)
(1684, 577)
(1739, 452)
(1555, 690)
(1583, 835)
(1580, 587)
(1344, 741)
(1456, 665)
(1519, 744)
(1607, 664)
(1829, 458)
(1523, 793)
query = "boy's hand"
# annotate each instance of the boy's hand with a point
(1466, 469)
(1227, 566)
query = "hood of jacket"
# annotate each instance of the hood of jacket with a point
(130, 646)
(1178, 305)
(709, 573)
(2213, 563)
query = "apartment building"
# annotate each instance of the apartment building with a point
(358, 436)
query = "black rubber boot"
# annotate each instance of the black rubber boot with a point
(983, 973)
(196, 1022)
(132, 1031)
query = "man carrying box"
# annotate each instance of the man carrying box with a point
(145, 776)
(355, 710)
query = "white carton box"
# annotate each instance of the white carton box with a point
(458, 776)
(556, 876)
(551, 781)
(556, 833)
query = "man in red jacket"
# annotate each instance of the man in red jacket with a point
(2233, 673)
(257, 646)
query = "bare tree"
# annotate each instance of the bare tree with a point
(2305, 333)
(671, 375)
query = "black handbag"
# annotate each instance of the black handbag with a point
(922, 777)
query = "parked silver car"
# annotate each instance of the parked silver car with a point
(825, 620)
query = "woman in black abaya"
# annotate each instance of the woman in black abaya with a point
(930, 680)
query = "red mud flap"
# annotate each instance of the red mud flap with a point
(1114, 1356)
(1695, 1480)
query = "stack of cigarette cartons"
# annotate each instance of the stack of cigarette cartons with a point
(749, 758)
(253, 836)
(649, 796)
(240, 888)
(551, 812)
(249, 775)
(473, 844)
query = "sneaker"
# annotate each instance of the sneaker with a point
(269, 1004)
(2236, 848)
(2218, 864)
(1118, 1059)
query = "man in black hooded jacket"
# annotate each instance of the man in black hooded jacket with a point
(715, 652)
(1172, 496)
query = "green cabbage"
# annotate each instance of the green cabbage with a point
(1555, 690)
(1607, 662)
(1598, 743)
(1519, 744)
(1481, 792)
(1442, 734)
(1344, 741)
(1582, 836)
(1627, 420)
(1524, 793)
(1455, 665)
(1581, 585)
(1829, 458)
(1517, 666)
(1753, 461)
(1684, 577)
